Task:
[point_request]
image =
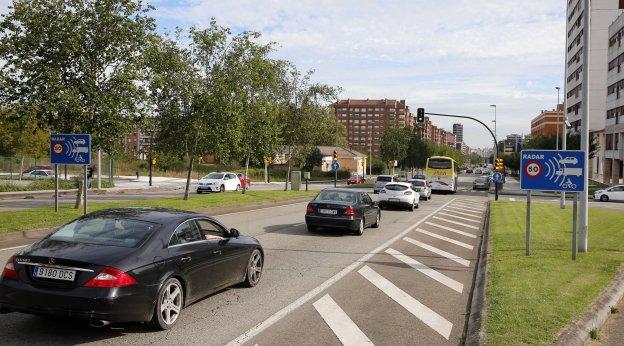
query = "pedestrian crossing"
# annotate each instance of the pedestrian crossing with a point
(440, 229)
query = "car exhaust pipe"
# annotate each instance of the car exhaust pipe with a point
(98, 323)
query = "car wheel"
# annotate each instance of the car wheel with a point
(411, 207)
(199, 192)
(222, 188)
(237, 187)
(360, 229)
(169, 305)
(604, 198)
(378, 220)
(429, 197)
(417, 205)
(312, 229)
(254, 269)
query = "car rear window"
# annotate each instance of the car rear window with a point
(384, 178)
(418, 183)
(336, 196)
(214, 176)
(395, 187)
(105, 231)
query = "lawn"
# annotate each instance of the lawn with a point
(531, 299)
(11, 221)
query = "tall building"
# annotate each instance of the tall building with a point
(603, 13)
(138, 143)
(613, 141)
(366, 120)
(428, 131)
(547, 121)
(458, 131)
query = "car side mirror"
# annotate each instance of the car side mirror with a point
(234, 233)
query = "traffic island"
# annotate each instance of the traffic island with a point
(530, 300)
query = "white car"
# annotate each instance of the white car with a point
(420, 186)
(39, 173)
(398, 194)
(219, 182)
(613, 193)
(382, 180)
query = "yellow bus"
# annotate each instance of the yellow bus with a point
(441, 174)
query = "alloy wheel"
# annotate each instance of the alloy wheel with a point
(171, 303)
(254, 271)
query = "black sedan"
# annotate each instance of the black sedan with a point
(481, 183)
(125, 265)
(342, 209)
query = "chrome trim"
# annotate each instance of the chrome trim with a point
(55, 266)
(225, 229)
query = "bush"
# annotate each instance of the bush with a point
(48, 184)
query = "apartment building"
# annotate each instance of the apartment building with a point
(428, 131)
(603, 13)
(546, 123)
(139, 143)
(458, 131)
(612, 143)
(366, 120)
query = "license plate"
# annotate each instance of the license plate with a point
(393, 199)
(328, 211)
(54, 273)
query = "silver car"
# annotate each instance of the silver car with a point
(420, 186)
(382, 180)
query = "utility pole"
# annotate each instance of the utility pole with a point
(495, 152)
(583, 217)
(563, 112)
(557, 122)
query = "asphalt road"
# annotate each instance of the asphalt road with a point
(393, 290)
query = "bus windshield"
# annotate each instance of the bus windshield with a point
(440, 164)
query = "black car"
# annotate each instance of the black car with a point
(126, 265)
(342, 209)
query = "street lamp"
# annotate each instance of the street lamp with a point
(495, 136)
(557, 122)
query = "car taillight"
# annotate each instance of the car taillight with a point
(9, 271)
(111, 277)
(408, 193)
(310, 209)
(382, 191)
(349, 211)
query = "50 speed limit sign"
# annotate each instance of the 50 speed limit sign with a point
(533, 169)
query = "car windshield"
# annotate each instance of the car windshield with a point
(336, 196)
(384, 178)
(418, 183)
(395, 187)
(105, 231)
(214, 176)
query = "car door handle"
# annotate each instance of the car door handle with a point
(217, 252)
(185, 259)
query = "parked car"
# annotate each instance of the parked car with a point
(613, 193)
(399, 194)
(129, 265)
(219, 182)
(342, 209)
(355, 179)
(468, 170)
(477, 171)
(382, 180)
(39, 173)
(420, 186)
(481, 183)
(34, 168)
(419, 176)
(244, 181)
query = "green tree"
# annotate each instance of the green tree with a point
(573, 142)
(417, 152)
(394, 143)
(313, 159)
(512, 161)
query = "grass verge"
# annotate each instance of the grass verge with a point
(48, 184)
(530, 299)
(11, 221)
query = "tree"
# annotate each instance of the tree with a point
(573, 142)
(75, 66)
(512, 161)
(313, 159)
(417, 152)
(394, 143)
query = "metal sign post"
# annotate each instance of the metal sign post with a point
(335, 166)
(574, 225)
(527, 240)
(70, 149)
(56, 185)
(85, 188)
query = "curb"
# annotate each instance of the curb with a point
(475, 329)
(111, 191)
(577, 332)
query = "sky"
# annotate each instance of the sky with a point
(448, 56)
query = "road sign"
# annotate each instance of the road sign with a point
(335, 166)
(552, 170)
(70, 149)
(497, 177)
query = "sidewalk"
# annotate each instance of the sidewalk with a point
(612, 332)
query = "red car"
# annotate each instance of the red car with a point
(355, 179)
(246, 183)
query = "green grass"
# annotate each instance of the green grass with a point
(48, 184)
(531, 299)
(11, 221)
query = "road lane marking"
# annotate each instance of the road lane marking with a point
(461, 213)
(464, 210)
(434, 274)
(345, 329)
(455, 222)
(446, 239)
(442, 253)
(459, 217)
(470, 235)
(416, 308)
(257, 329)
(13, 248)
(469, 207)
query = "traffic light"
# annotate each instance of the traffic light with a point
(335, 155)
(420, 115)
(153, 161)
(500, 167)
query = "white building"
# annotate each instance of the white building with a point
(614, 120)
(603, 13)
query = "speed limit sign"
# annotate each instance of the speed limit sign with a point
(533, 169)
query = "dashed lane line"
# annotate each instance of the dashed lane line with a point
(459, 217)
(455, 222)
(343, 327)
(470, 235)
(416, 308)
(446, 239)
(464, 262)
(434, 274)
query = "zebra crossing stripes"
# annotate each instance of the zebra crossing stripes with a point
(470, 235)
(463, 210)
(434, 274)
(446, 239)
(339, 322)
(455, 222)
(440, 252)
(469, 207)
(459, 217)
(455, 212)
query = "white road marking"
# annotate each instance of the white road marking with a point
(461, 213)
(512, 199)
(345, 329)
(464, 210)
(459, 217)
(423, 313)
(455, 222)
(257, 329)
(434, 274)
(447, 239)
(469, 207)
(442, 253)
(451, 229)
(13, 248)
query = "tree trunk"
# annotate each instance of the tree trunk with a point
(246, 175)
(188, 178)
(266, 172)
(79, 194)
(21, 169)
(289, 157)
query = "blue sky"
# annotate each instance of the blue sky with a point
(449, 56)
